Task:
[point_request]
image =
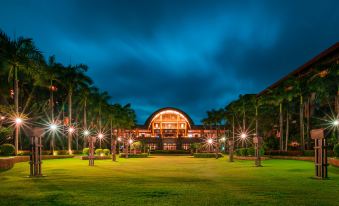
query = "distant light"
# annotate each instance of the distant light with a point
(130, 141)
(2, 117)
(336, 122)
(119, 139)
(53, 127)
(71, 129)
(86, 132)
(243, 136)
(210, 141)
(100, 135)
(18, 120)
(223, 139)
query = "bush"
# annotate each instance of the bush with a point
(250, 151)
(142, 155)
(206, 155)
(62, 152)
(24, 153)
(336, 150)
(285, 153)
(309, 153)
(7, 149)
(85, 151)
(98, 151)
(243, 152)
(106, 152)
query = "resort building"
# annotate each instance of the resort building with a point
(172, 129)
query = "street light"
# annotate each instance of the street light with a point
(71, 130)
(53, 127)
(209, 141)
(243, 136)
(100, 136)
(130, 141)
(18, 120)
(336, 122)
(86, 133)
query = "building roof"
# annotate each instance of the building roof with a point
(149, 119)
(305, 67)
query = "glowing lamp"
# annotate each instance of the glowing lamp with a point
(18, 120)
(243, 135)
(53, 127)
(86, 132)
(119, 139)
(210, 141)
(130, 141)
(71, 129)
(2, 117)
(100, 135)
(223, 139)
(336, 122)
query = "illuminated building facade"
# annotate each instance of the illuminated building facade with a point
(172, 129)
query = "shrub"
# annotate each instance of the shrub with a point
(243, 152)
(106, 152)
(285, 153)
(251, 151)
(62, 152)
(98, 151)
(142, 155)
(309, 153)
(85, 151)
(336, 150)
(7, 149)
(24, 152)
(206, 155)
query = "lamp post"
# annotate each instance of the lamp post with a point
(100, 136)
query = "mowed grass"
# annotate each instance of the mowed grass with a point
(169, 180)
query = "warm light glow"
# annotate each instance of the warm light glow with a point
(2, 117)
(336, 122)
(119, 139)
(243, 136)
(130, 141)
(100, 135)
(71, 129)
(223, 139)
(86, 132)
(209, 141)
(18, 120)
(53, 127)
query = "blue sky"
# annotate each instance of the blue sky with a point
(193, 55)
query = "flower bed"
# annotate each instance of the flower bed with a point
(249, 158)
(8, 163)
(334, 162)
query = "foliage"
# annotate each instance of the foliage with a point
(336, 150)
(106, 152)
(98, 151)
(206, 155)
(7, 149)
(5, 132)
(85, 151)
(142, 155)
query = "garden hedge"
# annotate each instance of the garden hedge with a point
(206, 155)
(142, 155)
(7, 149)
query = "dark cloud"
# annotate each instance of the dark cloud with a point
(194, 55)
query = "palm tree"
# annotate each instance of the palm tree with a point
(21, 55)
(74, 78)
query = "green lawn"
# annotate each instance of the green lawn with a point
(169, 180)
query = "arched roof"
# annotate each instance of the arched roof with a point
(150, 118)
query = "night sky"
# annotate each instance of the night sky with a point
(193, 55)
